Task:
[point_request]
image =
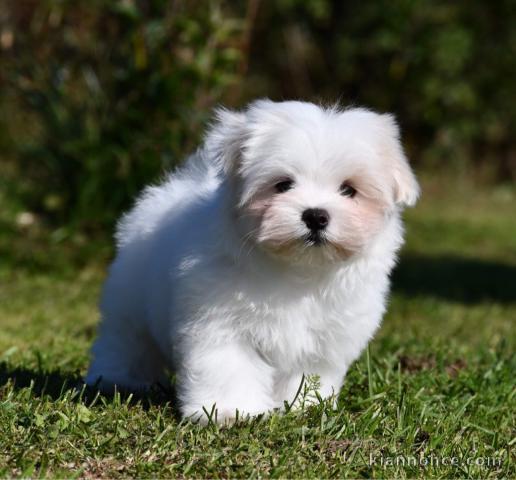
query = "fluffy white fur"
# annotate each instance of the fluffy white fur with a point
(216, 280)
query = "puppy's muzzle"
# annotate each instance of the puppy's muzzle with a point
(316, 219)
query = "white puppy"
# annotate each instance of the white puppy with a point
(266, 257)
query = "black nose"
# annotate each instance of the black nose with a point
(316, 218)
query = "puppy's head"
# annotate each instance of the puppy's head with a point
(312, 183)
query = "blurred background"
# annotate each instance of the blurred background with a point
(97, 98)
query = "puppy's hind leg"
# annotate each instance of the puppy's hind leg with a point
(125, 360)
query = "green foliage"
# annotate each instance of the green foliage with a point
(446, 69)
(112, 92)
(99, 97)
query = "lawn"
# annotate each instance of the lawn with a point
(434, 395)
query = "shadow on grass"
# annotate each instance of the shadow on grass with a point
(460, 279)
(55, 384)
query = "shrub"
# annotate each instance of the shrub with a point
(446, 69)
(98, 97)
(106, 94)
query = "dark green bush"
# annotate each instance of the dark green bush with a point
(109, 94)
(98, 97)
(446, 69)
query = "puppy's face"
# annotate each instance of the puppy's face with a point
(316, 185)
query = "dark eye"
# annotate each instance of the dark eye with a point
(347, 190)
(284, 185)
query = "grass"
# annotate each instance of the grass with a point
(436, 385)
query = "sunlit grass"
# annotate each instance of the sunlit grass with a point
(438, 382)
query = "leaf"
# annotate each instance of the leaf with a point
(83, 414)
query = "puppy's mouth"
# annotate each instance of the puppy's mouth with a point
(315, 239)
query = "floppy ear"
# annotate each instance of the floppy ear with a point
(406, 187)
(225, 138)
